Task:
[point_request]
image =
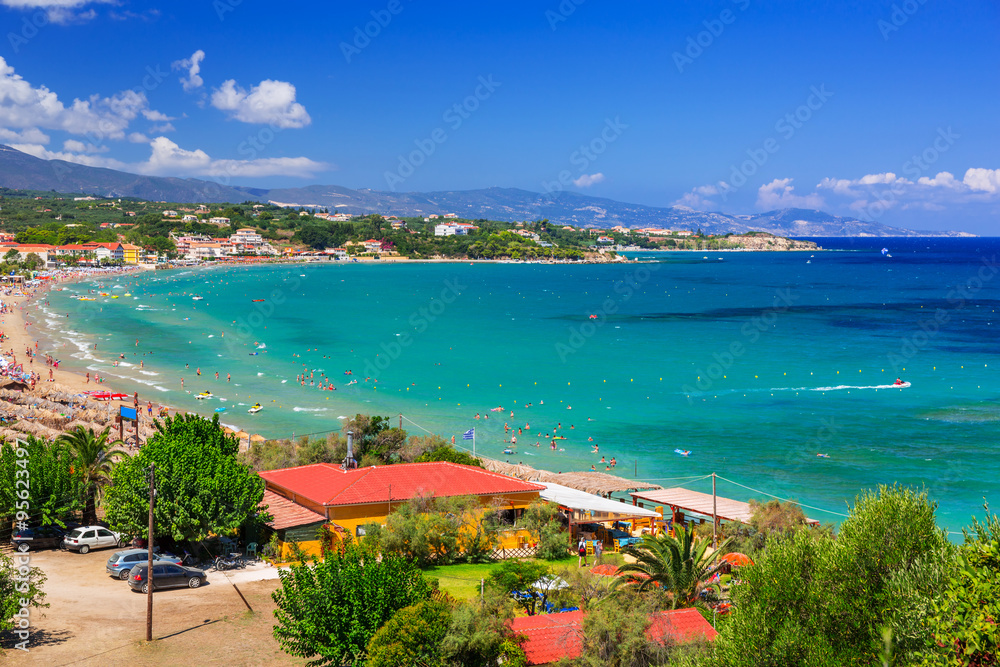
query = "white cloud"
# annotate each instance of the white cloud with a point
(169, 159)
(193, 66)
(983, 180)
(270, 102)
(138, 138)
(156, 116)
(162, 128)
(59, 11)
(79, 158)
(25, 107)
(586, 180)
(31, 135)
(74, 146)
(780, 193)
(943, 180)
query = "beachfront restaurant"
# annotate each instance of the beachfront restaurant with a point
(593, 518)
(305, 498)
(693, 507)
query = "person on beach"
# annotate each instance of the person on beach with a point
(581, 549)
(88, 377)
(149, 408)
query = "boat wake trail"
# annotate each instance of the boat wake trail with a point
(841, 387)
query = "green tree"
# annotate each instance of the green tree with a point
(50, 483)
(412, 637)
(94, 461)
(964, 621)
(812, 599)
(677, 564)
(519, 575)
(446, 452)
(20, 592)
(328, 611)
(541, 519)
(480, 636)
(201, 487)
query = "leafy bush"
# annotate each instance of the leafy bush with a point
(328, 611)
(815, 600)
(412, 637)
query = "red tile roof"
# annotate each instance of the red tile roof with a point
(327, 484)
(551, 637)
(681, 625)
(286, 513)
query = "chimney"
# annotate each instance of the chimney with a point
(349, 462)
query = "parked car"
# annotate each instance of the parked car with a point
(89, 537)
(121, 562)
(40, 537)
(165, 575)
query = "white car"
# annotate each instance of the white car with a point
(90, 537)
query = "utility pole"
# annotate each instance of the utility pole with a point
(400, 421)
(149, 552)
(715, 518)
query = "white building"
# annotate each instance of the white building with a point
(450, 230)
(218, 221)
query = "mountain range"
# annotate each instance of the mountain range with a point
(19, 170)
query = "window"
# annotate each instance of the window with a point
(174, 570)
(159, 570)
(104, 533)
(88, 535)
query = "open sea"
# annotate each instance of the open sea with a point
(753, 363)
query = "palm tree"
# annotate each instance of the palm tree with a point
(95, 459)
(675, 563)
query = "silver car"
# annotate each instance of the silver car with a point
(121, 562)
(90, 537)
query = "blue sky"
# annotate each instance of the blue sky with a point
(881, 110)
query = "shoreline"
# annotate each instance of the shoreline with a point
(24, 330)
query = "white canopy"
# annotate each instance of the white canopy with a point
(590, 507)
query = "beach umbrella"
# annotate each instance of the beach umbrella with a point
(736, 559)
(228, 431)
(257, 438)
(242, 435)
(605, 569)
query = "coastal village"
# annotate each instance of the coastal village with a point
(148, 235)
(262, 547)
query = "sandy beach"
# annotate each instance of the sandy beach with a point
(56, 404)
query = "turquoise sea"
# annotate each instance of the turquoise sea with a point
(752, 362)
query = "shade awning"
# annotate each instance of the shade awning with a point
(726, 509)
(596, 507)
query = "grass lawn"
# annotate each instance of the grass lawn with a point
(461, 581)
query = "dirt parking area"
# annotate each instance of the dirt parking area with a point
(93, 619)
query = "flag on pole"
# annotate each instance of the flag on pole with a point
(469, 435)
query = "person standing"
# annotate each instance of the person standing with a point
(582, 551)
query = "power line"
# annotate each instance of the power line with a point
(787, 500)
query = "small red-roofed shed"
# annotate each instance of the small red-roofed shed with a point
(552, 637)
